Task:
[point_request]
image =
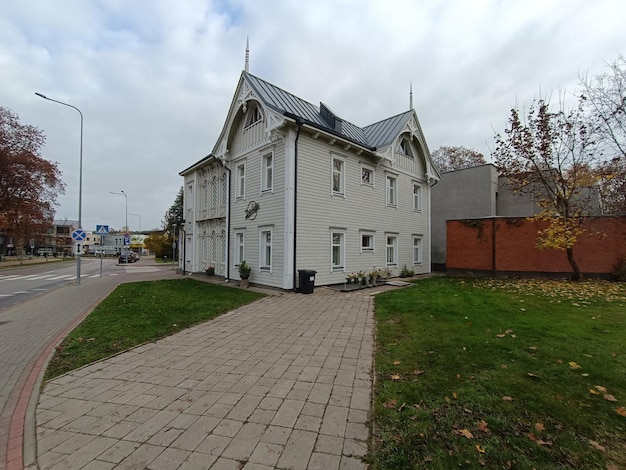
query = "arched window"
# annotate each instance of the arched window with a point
(214, 193)
(404, 147)
(224, 189)
(254, 116)
(224, 246)
(213, 247)
(205, 194)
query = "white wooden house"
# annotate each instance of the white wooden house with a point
(292, 186)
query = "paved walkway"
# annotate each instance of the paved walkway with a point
(283, 383)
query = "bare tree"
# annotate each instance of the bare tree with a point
(551, 158)
(604, 97)
(29, 184)
(456, 158)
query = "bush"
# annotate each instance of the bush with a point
(406, 272)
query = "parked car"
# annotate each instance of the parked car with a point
(127, 258)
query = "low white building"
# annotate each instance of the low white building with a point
(291, 186)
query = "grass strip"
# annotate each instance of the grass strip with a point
(139, 312)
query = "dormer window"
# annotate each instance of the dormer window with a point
(404, 147)
(254, 116)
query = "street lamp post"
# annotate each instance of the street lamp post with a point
(80, 177)
(122, 193)
(139, 236)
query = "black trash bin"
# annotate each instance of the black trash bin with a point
(307, 281)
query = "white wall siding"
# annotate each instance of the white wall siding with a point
(362, 207)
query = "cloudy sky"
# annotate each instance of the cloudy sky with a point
(154, 78)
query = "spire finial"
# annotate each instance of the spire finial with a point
(411, 96)
(247, 64)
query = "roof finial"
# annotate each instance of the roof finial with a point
(247, 64)
(411, 96)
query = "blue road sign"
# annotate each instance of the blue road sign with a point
(126, 239)
(102, 229)
(79, 235)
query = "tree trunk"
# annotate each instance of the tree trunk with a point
(577, 276)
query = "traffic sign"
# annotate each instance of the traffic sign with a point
(102, 229)
(79, 235)
(126, 239)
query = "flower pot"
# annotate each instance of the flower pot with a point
(245, 283)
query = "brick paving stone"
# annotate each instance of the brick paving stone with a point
(284, 382)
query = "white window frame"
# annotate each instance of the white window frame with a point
(224, 188)
(372, 247)
(342, 176)
(267, 179)
(417, 197)
(341, 246)
(417, 249)
(241, 180)
(214, 192)
(370, 170)
(391, 190)
(264, 263)
(391, 242)
(240, 247)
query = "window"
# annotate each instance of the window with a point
(213, 247)
(367, 176)
(205, 248)
(268, 173)
(214, 193)
(417, 197)
(266, 250)
(392, 191)
(224, 188)
(239, 248)
(205, 195)
(367, 242)
(254, 116)
(417, 250)
(392, 250)
(223, 235)
(338, 176)
(241, 180)
(337, 250)
(404, 147)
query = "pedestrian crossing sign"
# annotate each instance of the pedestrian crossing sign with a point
(102, 229)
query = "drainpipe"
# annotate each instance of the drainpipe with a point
(299, 123)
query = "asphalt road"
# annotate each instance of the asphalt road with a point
(24, 282)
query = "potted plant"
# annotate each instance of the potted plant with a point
(244, 273)
(210, 271)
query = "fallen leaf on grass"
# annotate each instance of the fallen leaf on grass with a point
(609, 397)
(391, 404)
(464, 432)
(597, 446)
(395, 377)
(573, 365)
(620, 410)
(418, 372)
(395, 363)
(539, 427)
(482, 426)
(593, 392)
(539, 441)
(533, 376)
(507, 398)
(600, 388)
(480, 449)
(500, 336)
(454, 395)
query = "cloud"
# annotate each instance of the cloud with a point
(154, 79)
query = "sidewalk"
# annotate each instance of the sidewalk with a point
(29, 331)
(284, 382)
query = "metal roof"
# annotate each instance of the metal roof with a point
(374, 136)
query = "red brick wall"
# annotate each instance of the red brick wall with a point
(470, 246)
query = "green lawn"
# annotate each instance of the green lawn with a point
(139, 312)
(501, 374)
